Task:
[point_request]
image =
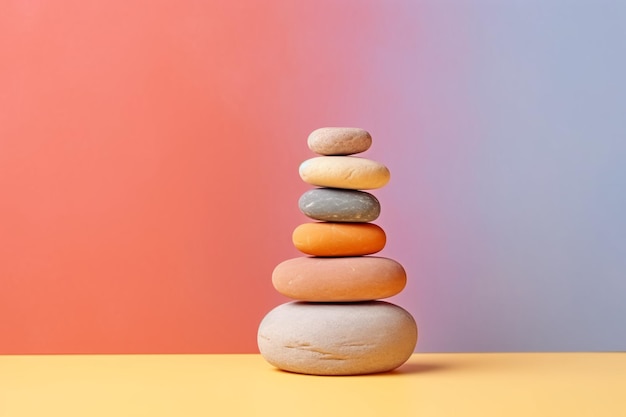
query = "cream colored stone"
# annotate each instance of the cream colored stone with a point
(337, 338)
(339, 140)
(349, 172)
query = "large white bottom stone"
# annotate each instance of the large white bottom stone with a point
(337, 338)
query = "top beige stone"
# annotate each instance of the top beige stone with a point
(339, 141)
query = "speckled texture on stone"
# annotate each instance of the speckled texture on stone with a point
(358, 278)
(348, 172)
(338, 205)
(337, 338)
(339, 239)
(339, 140)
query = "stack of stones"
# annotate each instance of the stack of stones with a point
(338, 326)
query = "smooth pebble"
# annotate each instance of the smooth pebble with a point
(339, 140)
(339, 239)
(337, 338)
(358, 278)
(337, 205)
(349, 172)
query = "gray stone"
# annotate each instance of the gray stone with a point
(337, 205)
(337, 338)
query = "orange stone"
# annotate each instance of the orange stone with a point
(339, 239)
(358, 278)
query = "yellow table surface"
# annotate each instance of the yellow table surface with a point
(479, 384)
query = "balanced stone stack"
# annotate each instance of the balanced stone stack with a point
(338, 325)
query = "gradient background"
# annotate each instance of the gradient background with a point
(149, 154)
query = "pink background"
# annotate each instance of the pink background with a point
(149, 154)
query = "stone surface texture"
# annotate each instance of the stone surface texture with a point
(338, 205)
(339, 140)
(337, 338)
(348, 172)
(344, 279)
(339, 239)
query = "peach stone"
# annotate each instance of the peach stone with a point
(358, 278)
